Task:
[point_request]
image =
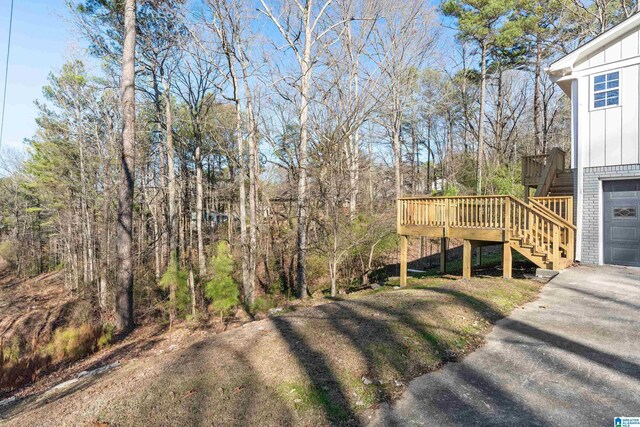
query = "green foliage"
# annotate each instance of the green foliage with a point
(264, 303)
(451, 190)
(316, 270)
(8, 252)
(222, 290)
(484, 21)
(106, 338)
(180, 278)
(11, 352)
(506, 179)
(466, 174)
(72, 343)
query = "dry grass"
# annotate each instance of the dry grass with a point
(324, 365)
(19, 367)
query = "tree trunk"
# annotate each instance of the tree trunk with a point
(305, 73)
(172, 226)
(104, 246)
(254, 173)
(536, 97)
(253, 201)
(192, 289)
(483, 95)
(124, 286)
(202, 262)
(397, 147)
(354, 156)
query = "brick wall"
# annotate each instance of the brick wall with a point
(591, 221)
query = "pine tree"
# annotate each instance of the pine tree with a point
(222, 290)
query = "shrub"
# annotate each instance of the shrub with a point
(175, 275)
(506, 180)
(264, 303)
(8, 252)
(11, 353)
(451, 190)
(222, 290)
(19, 365)
(107, 335)
(316, 269)
(72, 343)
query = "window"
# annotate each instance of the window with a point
(624, 212)
(606, 90)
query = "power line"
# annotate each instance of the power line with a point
(6, 74)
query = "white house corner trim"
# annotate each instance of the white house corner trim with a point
(579, 132)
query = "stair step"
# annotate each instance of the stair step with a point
(529, 247)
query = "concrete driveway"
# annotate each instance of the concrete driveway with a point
(571, 358)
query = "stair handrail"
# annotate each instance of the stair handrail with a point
(565, 201)
(554, 164)
(546, 236)
(532, 168)
(567, 233)
(546, 211)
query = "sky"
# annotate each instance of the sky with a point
(41, 40)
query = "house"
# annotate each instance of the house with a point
(601, 178)
(602, 79)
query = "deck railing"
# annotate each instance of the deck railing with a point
(464, 211)
(540, 170)
(532, 223)
(532, 168)
(561, 205)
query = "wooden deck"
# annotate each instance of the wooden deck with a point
(540, 229)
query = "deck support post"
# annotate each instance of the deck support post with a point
(507, 260)
(466, 259)
(555, 233)
(478, 256)
(443, 255)
(403, 260)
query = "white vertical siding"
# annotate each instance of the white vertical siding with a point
(613, 136)
(630, 45)
(614, 132)
(596, 59)
(630, 96)
(625, 47)
(597, 136)
(613, 52)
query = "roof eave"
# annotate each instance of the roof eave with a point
(568, 61)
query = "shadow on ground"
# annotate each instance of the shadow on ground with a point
(318, 366)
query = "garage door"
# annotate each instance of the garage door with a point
(622, 222)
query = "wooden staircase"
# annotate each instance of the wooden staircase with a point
(542, 231)
(548, 174)
(562, 184)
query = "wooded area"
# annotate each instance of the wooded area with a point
(228, 151)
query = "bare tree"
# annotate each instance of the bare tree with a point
(403, 42)
(299, 23)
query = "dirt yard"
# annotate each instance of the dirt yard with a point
(329, 364)
(31, 307)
